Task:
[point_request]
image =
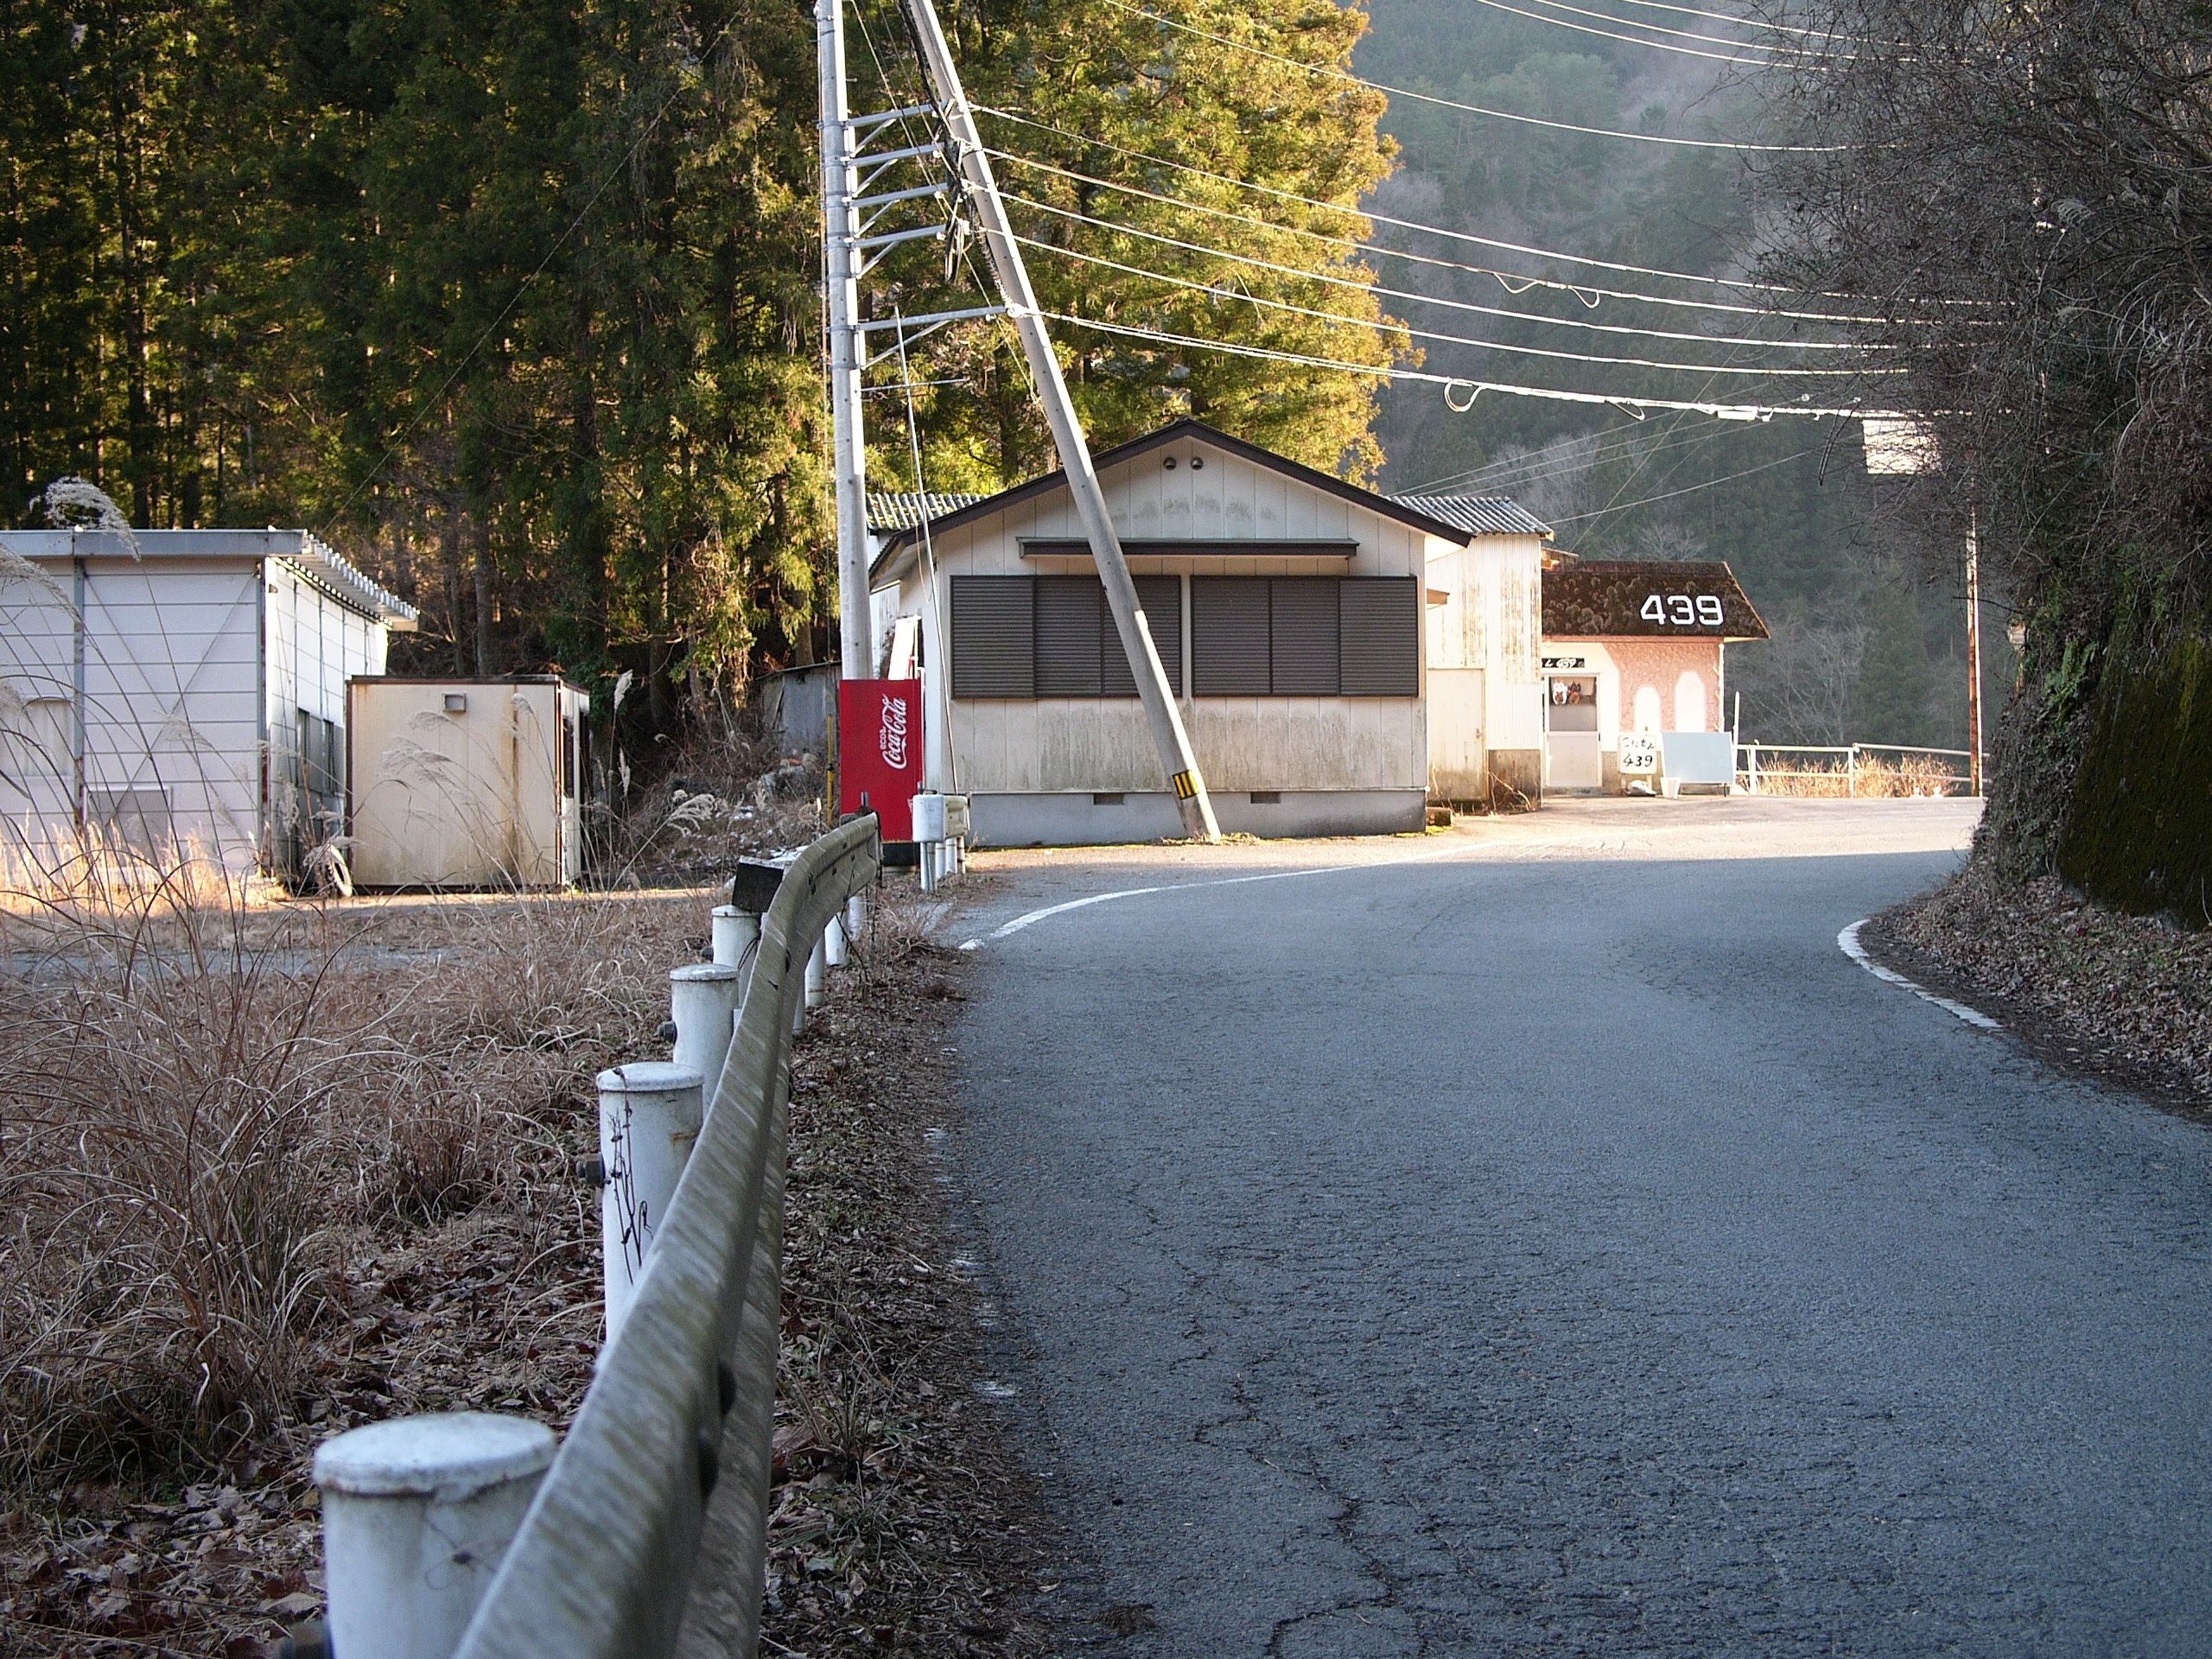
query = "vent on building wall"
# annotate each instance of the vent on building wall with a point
(1106, 798)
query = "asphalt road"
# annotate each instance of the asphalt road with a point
(1557, 1246)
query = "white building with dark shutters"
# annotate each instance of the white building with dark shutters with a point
(1341, 657)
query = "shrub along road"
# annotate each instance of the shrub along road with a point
(1559, 1246)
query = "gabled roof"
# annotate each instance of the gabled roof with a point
(1416, 518)
(1479, 515)
(1602, 599)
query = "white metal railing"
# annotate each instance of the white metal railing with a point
(672, 1445)
(1753, 771)
(602, 1566)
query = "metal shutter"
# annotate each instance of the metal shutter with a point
(1069, 610)
(1161, 600)
(1303, 622)
(1379, 643)
(993, 636)
(1229, 636)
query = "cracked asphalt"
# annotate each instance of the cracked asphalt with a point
(1559, 1247)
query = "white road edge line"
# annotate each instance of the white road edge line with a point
(1006, 929)
(1848, 941)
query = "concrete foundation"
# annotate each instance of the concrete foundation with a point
(1085, 820)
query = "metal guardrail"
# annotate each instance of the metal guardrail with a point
(679, 1416)
(1752, 769)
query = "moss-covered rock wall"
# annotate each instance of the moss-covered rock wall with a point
(2137, 831)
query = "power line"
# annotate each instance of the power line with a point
(1679, 33)
(1329, 72)
(1657, 46)
(1584, 292)
(1743, 23)
(1474, 385)
(1688, 489)
(1407, 294)
(1533, 466)
(1382, 326)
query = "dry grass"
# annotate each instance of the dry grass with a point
(205, 1122)
(274, 1172)
(1904, 777)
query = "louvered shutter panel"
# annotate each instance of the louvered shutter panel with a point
(1161, 600)
(1379, 640)
(1303, 625)
(1229, 636)
(993, 636)
(1068, 619)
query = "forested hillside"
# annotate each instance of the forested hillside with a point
(1869, 628)
(521, 302)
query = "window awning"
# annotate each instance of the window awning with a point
(1308, 548)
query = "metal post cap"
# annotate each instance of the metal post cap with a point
(648, 1078)
(448, 1455)
(711, 971)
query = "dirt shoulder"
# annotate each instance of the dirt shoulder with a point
(2125, 998)
(468, 1278)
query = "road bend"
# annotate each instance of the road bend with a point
(1542, 1240)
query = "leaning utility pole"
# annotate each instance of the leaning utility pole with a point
(840, 243)
(1004, 256)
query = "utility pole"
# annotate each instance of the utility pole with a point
(1004, 256)
(1974, 652)
(840, 239)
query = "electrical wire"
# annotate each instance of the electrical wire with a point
(1688, 489)
(1534, 466)
(1475, 385)
(1632, 40)
(1682, 33)
(1329, 72)
(1748, 22)
(1382, 326)
(1582, 290)
(1431, 299)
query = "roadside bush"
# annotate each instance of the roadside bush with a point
(211, 1105)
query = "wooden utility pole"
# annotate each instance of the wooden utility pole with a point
(1974, 652)
(1003, 254)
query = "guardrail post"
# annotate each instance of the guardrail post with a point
(1752, 752)
(833, 942)
(649, 1117)
(702, 1005)
(817, 972)
(1851, 770)
(736, 935)
(417, 1513)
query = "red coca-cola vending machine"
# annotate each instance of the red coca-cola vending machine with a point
(880, 751)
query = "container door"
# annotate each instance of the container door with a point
(571, 767)
(1571, 757)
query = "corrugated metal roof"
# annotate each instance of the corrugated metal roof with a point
(314, 557)
(1479, 515)
(893, 510)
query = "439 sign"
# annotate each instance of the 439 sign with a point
(1682, 610)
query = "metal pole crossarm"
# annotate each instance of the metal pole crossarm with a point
(874, 164)
(889, 196)
(1161, 713)
(890, 237)
(861, 125)
(921, 319)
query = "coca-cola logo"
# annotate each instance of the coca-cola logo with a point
(892, 737)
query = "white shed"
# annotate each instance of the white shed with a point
(186, 696)
(465, 782)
